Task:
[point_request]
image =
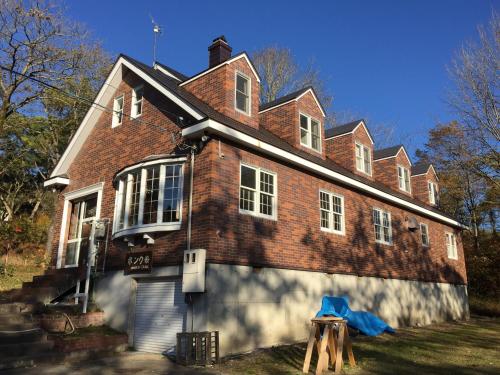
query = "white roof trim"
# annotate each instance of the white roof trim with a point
(55, 181)
(269, 149)
(295, 100)
(424, 174)
(352, 132)
(227, 62)
(393, 156)
(103, 97)
(165, 71)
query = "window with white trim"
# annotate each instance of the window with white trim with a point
(424, 234)
(451, 245)
(310, 133)
(433, 193)
(137, 101)
(404, 178)
(149, 196)
(331, 210)
(242, 93)
(117, 111)
(382, 224)
(257, 191)
(363, 159)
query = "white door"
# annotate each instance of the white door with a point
(160, 312)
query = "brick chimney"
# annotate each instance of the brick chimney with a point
(219, 51)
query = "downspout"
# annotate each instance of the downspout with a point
(190, 210)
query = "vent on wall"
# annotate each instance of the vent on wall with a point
(411, 223)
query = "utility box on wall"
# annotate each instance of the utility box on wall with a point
(193, 271)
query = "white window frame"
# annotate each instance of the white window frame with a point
(124, 178)
(432, 191)
(425, 244)
(308, 143)
(134, 101)
(115, 122)
(381, 240)
(256, 211)
(451, 245)
(330, 228)
(362, 147)
(68, 198)
(404, 181)
(249, 94)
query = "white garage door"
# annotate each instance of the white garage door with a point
(160, 312)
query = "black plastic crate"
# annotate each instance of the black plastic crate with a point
(197, 348)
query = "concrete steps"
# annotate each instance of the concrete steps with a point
(21, 338)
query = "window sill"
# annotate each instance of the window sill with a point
(147, 228)
(259, 216)
(338, 233)
(384, 243)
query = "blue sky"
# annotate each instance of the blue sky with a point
(383, 60)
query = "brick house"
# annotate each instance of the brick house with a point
(285, 210)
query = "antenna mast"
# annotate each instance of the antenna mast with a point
(156, 31)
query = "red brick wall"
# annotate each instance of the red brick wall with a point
(386, 171)
(107, 150)
(296, 241)
(217, 89)
(293, 241)
(342, 150)
(280, 121)
(420, 188)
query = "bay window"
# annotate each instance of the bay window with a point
(257, 192)
(149, 198)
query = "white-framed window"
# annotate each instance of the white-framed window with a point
(137, 101)
(433, 193)
(382, 224)
(404, 179)
(310, 132)
(363, 159)
(242, 92)
(257, 191)
(451, 245)
(424, 234)
(149, 198)
(117, 111)
(331, 211)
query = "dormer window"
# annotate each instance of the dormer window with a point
(117, 111)
(310, 132)
(242, 93)
(137, 100)
(433, 194)
(404, 179)
(363, 159)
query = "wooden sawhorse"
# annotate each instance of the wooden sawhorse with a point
(330, 345)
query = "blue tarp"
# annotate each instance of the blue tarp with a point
(365, 322)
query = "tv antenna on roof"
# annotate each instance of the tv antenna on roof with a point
(156, 31)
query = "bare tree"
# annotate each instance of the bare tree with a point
(475, 73)
(281, 75)
(39, 42)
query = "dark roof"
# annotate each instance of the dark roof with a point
(420, 168)
(386, 152)
(268, 137)
(343, 129)
(176, 73)
(284, 99)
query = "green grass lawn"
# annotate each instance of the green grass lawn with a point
(454, 348)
